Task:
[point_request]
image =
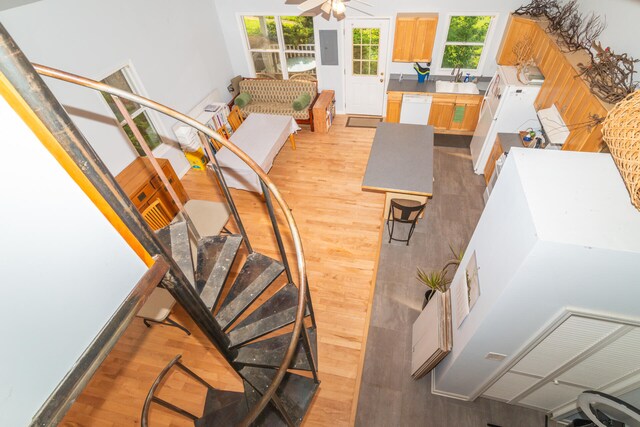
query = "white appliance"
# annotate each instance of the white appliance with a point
(415, 109)
(507, 107)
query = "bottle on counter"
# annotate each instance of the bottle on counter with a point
(467, 78)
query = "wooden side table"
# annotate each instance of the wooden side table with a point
(143, 185)
(324, 110)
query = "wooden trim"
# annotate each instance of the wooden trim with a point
(391, 190)
(367, 322)
(47, 139)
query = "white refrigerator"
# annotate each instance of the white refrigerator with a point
(507, 107)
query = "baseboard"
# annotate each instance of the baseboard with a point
(446, 393)
(184, 171)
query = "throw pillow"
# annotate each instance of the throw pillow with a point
(243, 99)
(301, 102)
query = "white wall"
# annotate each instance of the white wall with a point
(558, 225)
(65, 270)
(176, 48)
(622, 17)
(331, 77)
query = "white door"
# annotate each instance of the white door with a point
(365, 59)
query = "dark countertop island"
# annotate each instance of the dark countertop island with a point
(401, 160)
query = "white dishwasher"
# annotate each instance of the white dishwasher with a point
(415, 109)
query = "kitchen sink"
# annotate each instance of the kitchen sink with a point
(451, 87)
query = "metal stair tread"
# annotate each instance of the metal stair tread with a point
(216, 255)
(175, 238)
(216, 399)
(276, 312)
(269, 416)
(228, 415)
(257, 273)
(270, 352)
(295, 391)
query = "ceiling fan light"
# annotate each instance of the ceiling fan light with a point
(326, 7)
(339, 7)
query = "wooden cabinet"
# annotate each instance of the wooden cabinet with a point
(442, 107)
(143, 185)
(324, 110)
(518, 28)
(443, 113)
(414, 37)
(394, 103)
(471, 105)
(495, 154)
(562, 86)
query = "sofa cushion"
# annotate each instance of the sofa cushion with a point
(301, 102)
(243, 99)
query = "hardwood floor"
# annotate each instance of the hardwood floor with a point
(339, 225)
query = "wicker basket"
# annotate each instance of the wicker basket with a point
(621, 132)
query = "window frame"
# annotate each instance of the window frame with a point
(282, 50)
(135, 84)
(487, 42)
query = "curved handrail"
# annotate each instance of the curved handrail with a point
(144, 418)
(295, 234)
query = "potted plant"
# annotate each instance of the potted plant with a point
(436, 281)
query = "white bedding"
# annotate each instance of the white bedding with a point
(261, 136)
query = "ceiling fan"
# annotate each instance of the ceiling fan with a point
(337, 7)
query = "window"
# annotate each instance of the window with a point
(366, 42)
(277, 40)
(466, 39)
(122, 80)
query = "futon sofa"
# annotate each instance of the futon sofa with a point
(276, 97)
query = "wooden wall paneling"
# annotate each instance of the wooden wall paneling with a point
(550, 86)
(518, 28)
(567, 93)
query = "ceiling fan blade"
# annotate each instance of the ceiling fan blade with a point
(310, 4)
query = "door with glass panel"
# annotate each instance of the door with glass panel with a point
(366, 53)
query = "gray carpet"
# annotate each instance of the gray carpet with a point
(388, 394)
(453, 141)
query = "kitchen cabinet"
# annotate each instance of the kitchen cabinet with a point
(143, 185)
(495, 154)
(563, 87)
(518, 28)
(394, 103)
(471, 105)
(443, 107)
(441, 114)
(414, 37)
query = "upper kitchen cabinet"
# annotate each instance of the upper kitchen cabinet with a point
(518, 28)
(414, 37)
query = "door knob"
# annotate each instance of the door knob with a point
(381, 80)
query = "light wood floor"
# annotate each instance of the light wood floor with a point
(339, 225)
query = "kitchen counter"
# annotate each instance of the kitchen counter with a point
(410, 83)
(509, 140)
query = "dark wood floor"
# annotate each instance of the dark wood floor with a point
(388, 394)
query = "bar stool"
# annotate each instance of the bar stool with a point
(404, 211)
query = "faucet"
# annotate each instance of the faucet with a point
(457, 75)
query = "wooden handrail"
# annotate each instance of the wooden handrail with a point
(295, 234)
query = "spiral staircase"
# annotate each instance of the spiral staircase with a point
(220, 302)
